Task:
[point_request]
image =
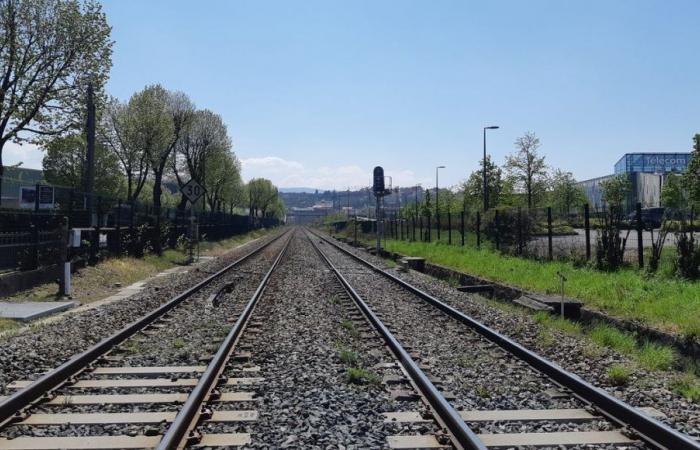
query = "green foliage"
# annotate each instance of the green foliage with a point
(619, 375)
(687, 261)
(615, 191)
(51, 49)
(691, 177)
(565, 192)
(662, 300)
(527, 169)
(672, 193)
(263, 198)
(688, 387)
(473, 187)
(359, 375)
(567, 326)
(64, 160)
(656, 357)
(610, 245)
(611, 337)
(349, 357)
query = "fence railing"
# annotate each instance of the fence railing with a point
(541, 233)
(33, 232)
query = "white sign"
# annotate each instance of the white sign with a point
(28, 194)
(192, 190)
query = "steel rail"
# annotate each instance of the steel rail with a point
(26, 396)
(648, 428)
(177, 434)
(462, 435)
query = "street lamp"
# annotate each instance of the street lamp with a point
(486, 191)
(437, 203)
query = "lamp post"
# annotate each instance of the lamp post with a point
(486, 191)
(437, 202)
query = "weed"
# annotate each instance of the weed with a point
(132, 347)
(656, 357)
(347, 324)
(483, 392)
(619, 375)
(348, 357)
(567, 326)
(545, 338)
(359, 375)
(7, 325)
(178, 343)
(688, 387)
(610, 337)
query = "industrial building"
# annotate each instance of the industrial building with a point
(647, 173)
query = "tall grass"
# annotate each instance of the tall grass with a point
(660, 301)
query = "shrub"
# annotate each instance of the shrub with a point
(688, 256)
(688, 387)
(510, 230)
(610, 245)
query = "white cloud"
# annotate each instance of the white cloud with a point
(28, 154)
(286, 173)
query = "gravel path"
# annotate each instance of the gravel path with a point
(645, 389)
(306, 399)
(31, 352)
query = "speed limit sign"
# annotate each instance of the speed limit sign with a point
(192, 190)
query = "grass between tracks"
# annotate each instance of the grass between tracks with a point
(108, 276)
(659, 301)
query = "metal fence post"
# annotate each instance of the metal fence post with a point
(35, 245)
(355, 229)
(520, 230)
(37, 188)
(422, 238)
(587, 230)
(498, 230)
(478, 229)
(64, 281)
(449, 228)
(461, 225)
(429, 227)
(640, 235)
(550, 253)
(118, 227)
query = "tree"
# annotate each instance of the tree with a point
(262, 196)
(474, 186)
(119, 133)
(691, 177)
(64, 165)
(615, 191)
(223, 179)
(203, 142)
(426, 207)
(672, 193)
(49, 51)
(527, 169)
(565, 191)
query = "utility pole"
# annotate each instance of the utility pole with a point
(89, 174)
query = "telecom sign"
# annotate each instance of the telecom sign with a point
(192, 190)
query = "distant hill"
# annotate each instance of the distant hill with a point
(297, 190)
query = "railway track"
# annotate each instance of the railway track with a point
(98, 396)
(274, 335)
(543, 403)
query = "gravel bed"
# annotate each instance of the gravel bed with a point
(194, 329)
(37, 349)
(305, 399)
(645, 389)
(488, 379)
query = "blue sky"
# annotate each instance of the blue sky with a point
(316, 93)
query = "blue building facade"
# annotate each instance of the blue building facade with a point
(661, 163)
